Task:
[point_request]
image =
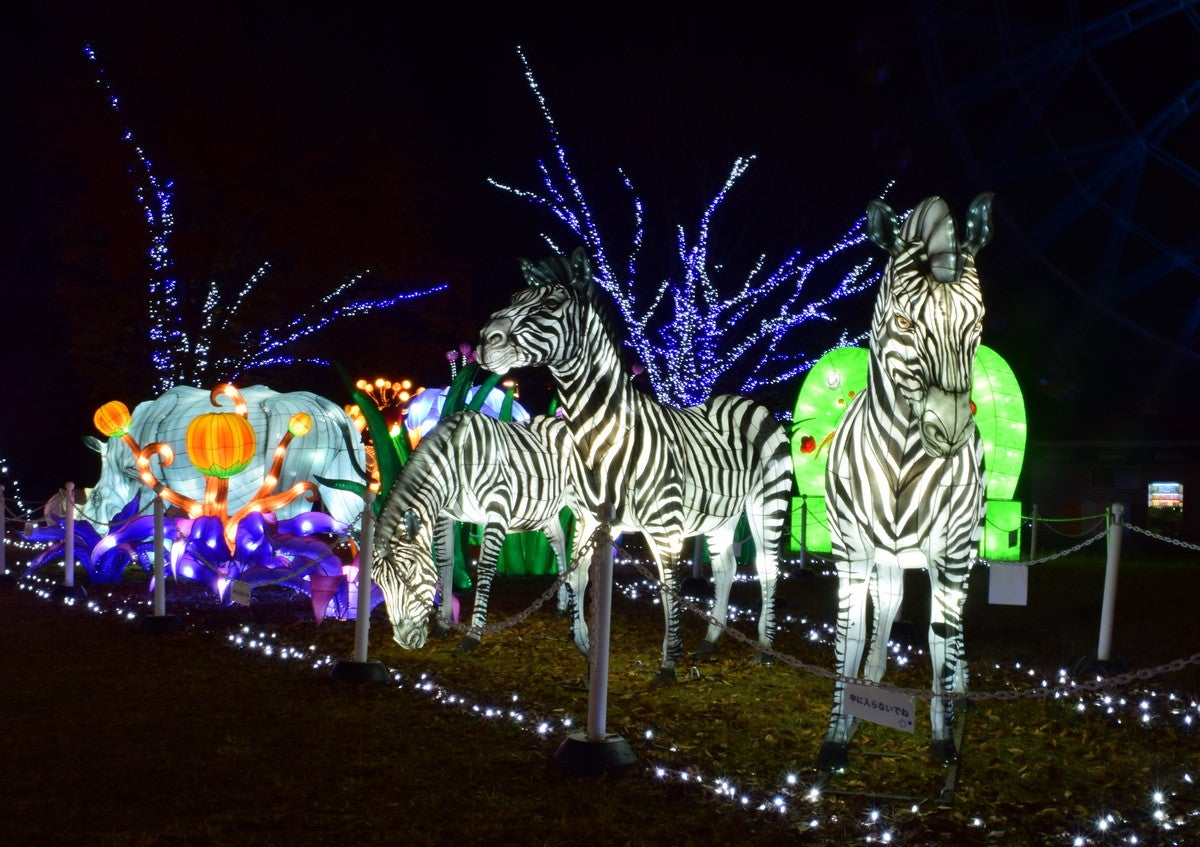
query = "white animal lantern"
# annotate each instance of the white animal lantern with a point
(667, 473)
(904, 483)
(331, 449)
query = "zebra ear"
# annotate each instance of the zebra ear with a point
(882, 227)
(581, 269)
(979, 223)
(412, 522)
(529, 271)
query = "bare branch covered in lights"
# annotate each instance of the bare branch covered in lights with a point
(213, 350)
(693, 332)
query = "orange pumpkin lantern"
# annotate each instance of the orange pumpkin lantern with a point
(220, 444)
(113, 418)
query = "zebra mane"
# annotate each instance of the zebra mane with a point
(575, 273)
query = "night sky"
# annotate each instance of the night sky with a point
(332, 142)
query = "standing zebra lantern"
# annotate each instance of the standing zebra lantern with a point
(904, 483)
(667, 473)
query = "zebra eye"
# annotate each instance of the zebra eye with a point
(903, 324)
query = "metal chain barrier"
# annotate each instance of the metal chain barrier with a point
(1051, 557)
(1064, 689)
(588, 547)
(1195, 548)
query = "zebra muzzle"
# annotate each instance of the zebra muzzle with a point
(409, 634)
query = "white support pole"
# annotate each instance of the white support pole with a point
(360, 669)
(1107, 610)
(595, 751)
(366, 552)
(601, 579)
(69, 534)
(3, 534)
(1033, 522)
(803, 529)
(160, 590)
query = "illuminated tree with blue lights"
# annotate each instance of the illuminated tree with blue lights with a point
(214, 351)
(691, 336)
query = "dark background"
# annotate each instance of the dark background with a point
(333, 141)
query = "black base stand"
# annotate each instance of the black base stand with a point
(579, 756)
(64, 592)
(1091, 666)
(159, 624)
(348, 670)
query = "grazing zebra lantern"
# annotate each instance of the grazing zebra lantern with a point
(904, 483)
(667, 473)
(471, 467)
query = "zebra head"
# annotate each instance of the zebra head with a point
(406, 574)
(929, 314)
(542, 324)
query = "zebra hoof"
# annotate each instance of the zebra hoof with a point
(943, 752)
(833, 757)
(761, 657)
(705, 648)
(468, 644)
(665, 676)
(440, 630)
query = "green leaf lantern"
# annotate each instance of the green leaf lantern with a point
(827, 392)
(830, 387)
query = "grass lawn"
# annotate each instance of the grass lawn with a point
(118, 738)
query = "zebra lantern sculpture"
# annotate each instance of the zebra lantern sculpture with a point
(470, 467)
(904, 482)
(667, 473)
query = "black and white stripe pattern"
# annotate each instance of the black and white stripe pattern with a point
(667, 473)
(904, 483)
(508, 477)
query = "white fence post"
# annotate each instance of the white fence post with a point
(1111, 567)
(1033, 522)
(592, 752)
(159, 623)
(68, 589)
(803, 530)
(366, 556)
(3, 535)
(69, 535)
(360, 668)
(7, 580)
(160, 590)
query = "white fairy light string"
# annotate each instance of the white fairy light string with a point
(1164, 819)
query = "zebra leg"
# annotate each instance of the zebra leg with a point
(558, 543)
(853, 584)
(724, 566)
(666, 547)
(577, 580)
(887, 594)
(948, 584)
(443, 542)
(489, 552)
(767, 538)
